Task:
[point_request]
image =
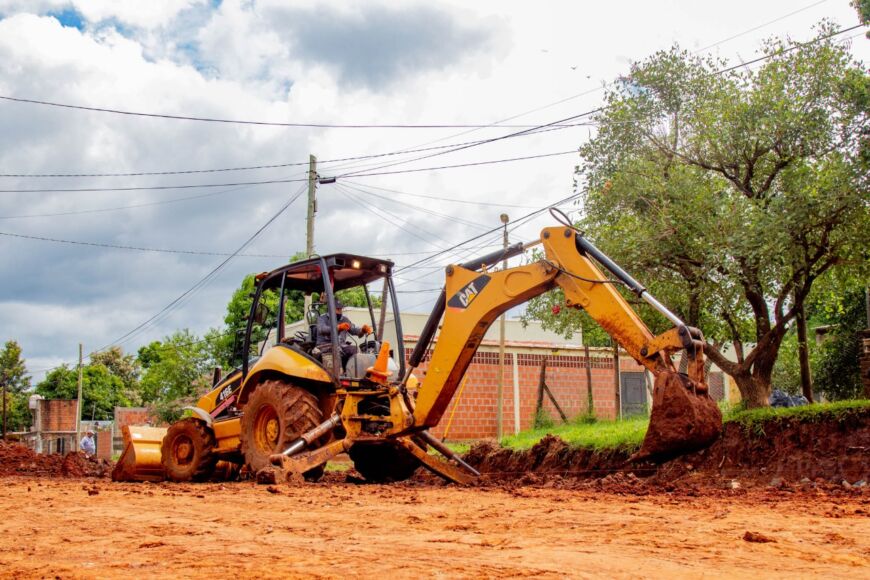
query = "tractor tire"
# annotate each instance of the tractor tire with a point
(276, 414)
(383, 462)
(187, 452)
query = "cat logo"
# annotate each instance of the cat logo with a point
(468, 293)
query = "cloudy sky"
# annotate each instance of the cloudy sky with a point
(475, 70)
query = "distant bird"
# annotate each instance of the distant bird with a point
(573, 68)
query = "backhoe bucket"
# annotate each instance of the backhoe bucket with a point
(140, 460)
(682, 419)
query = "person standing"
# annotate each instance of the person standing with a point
(87, 445)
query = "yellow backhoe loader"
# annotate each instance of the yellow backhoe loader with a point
(289, 409)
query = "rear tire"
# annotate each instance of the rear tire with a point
(276, 414)
(383, 462)
(187, 452)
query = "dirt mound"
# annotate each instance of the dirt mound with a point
(833, 448)
(17, 459)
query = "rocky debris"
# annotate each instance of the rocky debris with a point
(813, 452)
(757, 538)
(16, 459)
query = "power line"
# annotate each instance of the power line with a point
(375, 211)
(205, 280)
(245, 122)
(782, 51)
(272, 181)
(121, 207)
(137, 248)
(458, 165)
(600, 88)
(272, 166)
(477, 237)
(440, 198)
(153, 187)
(591, 112)
(754, 28)
(417, 208)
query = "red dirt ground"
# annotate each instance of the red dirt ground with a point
(767, 507)
(85, 528)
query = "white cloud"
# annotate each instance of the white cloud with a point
(260, 60)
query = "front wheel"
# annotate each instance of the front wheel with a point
(187, 452)
(276, 414)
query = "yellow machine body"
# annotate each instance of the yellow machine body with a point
(366, 415)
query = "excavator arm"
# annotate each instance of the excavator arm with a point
(683, 416)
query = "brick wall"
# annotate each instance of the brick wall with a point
(126, 416)
(474, 410)
(104, 442)
(58, 414)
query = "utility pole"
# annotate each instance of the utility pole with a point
(616, 381)
(79, 403)
(312, 209)
(3, 378)
(501, 329)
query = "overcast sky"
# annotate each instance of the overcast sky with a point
(327, 63)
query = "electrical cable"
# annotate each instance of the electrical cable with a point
(270, 181)
(244, 122)
(203, 281)
(272, 166)
(137, 248)
(440, 198)
(122, 207)
(418, 208)
(371, 209)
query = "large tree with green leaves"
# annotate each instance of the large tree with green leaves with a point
(101, 390)
(13, 372)
(176, 370)
(729, 191)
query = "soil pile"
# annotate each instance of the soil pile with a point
(17, 459)
(834, 448)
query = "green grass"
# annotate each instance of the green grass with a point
(338, 466)
(753, 420)
(626, 434)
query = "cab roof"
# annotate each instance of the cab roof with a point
(346, 271)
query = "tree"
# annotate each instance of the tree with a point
(729, 193)
(13, 372)
(837, 371)
(124, 366)
(101, 390)
(863, 8)
(175, 371)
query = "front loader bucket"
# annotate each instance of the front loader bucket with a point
(140, 460)
(682, 420)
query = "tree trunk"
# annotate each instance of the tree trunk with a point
(755, 393)
(803, 354)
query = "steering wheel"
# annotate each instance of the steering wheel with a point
(369, 346)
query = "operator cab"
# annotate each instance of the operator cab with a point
(279, 318)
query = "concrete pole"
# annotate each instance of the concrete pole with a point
(616, 382)
(501, 331)
(79, 404)
(312, 209)
(2, 378)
